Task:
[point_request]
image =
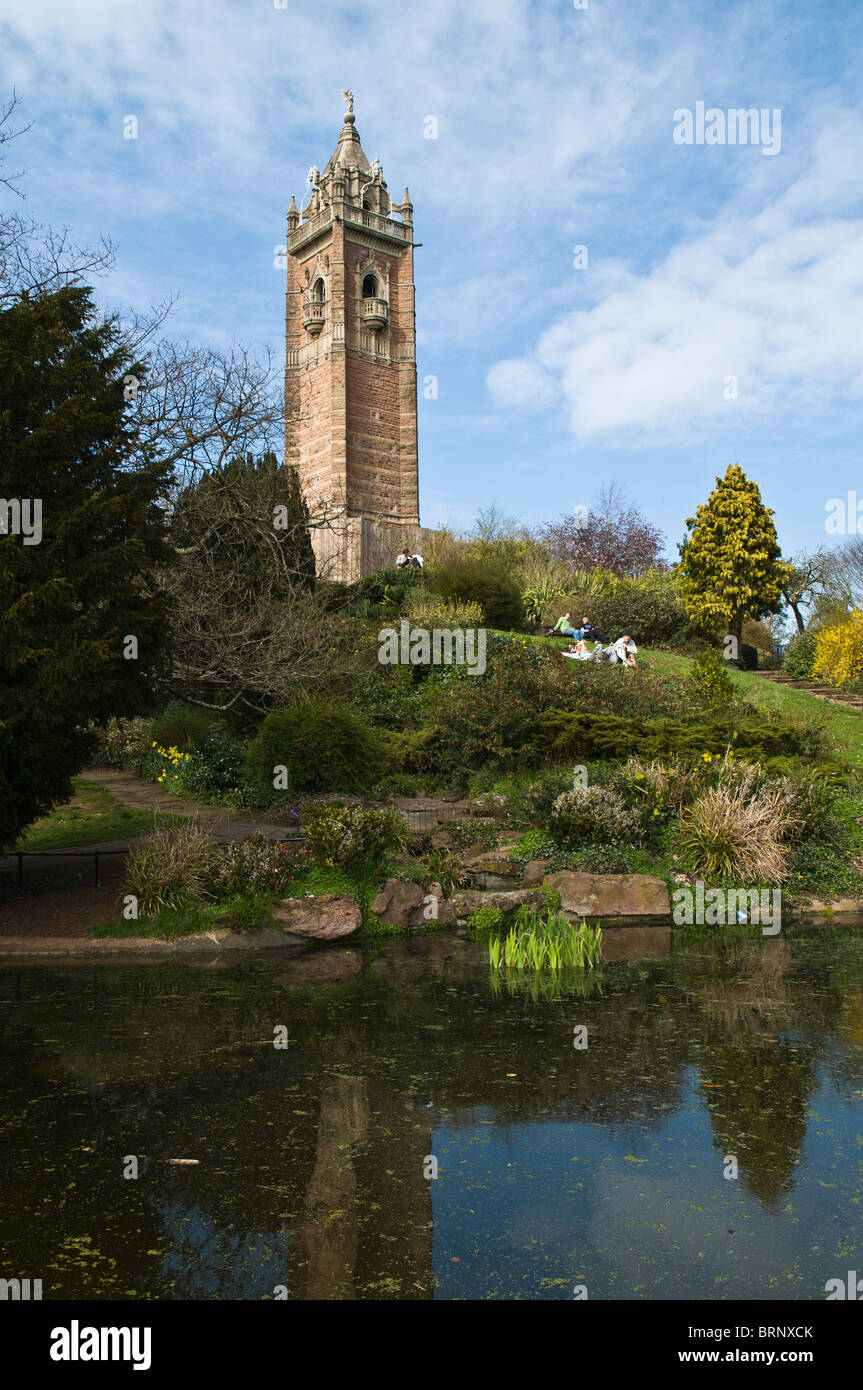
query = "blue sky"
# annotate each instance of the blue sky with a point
(554, 130)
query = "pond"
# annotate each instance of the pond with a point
(687, 1125)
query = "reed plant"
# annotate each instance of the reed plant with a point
(546, 942)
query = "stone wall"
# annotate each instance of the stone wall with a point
(352, 547)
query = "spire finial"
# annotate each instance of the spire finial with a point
(349, 106)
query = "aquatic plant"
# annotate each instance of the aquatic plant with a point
(546, 942)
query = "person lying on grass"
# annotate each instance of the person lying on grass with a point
(578, 651)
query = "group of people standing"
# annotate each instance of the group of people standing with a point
(622, 652)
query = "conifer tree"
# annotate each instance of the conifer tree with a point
(731, 561)
(83, 632)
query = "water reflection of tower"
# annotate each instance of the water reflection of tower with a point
(369, 1158)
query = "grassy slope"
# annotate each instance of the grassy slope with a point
(843, 725)
(92, 816)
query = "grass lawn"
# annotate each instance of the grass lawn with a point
(92, 815)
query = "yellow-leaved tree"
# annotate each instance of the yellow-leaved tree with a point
(731, 563)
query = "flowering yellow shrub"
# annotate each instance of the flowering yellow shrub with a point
(839, 651)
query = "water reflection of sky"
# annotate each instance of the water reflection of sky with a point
(530, 1211)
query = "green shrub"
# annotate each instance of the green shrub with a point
(216, 771)
(710, 681)
(651, 616)
(609, 857)
(258, 865)
(180, 726)
(241, 911)
(412, 750)
(799, 655)
(486, 583)
(597, 814)
(324, 745)
(173, 868)
(533, 801)
(486, 919)
(121, 741)
(350, 837)
(559, 733)
(434, 610)
(489, 721)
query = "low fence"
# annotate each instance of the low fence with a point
(417, 822)
(97, 855)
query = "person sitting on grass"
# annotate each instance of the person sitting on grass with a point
(576, 633)
(591, 633)
(624, 651)
(562, 626)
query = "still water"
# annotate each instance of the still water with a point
(602, 1166)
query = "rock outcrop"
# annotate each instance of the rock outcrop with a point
(324, 918)
(610, 895)
(471, 899)
(399, 903)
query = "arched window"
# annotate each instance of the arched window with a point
(319, 292)
(370, 287)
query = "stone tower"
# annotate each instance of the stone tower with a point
(350, 377)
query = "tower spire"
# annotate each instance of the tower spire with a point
(349, 152)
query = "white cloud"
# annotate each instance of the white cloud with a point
(771, 295)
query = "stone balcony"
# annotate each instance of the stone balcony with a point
(375, 314)
(314, 316)
(386, 226)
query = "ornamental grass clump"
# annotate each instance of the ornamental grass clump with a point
(173, 868)
(731, 834)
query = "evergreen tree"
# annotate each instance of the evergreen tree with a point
(83, 633)
(730, 560)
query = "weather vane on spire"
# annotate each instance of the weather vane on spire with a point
(349, 101)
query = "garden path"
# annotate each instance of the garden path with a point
(135, 792)
(821, 692)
